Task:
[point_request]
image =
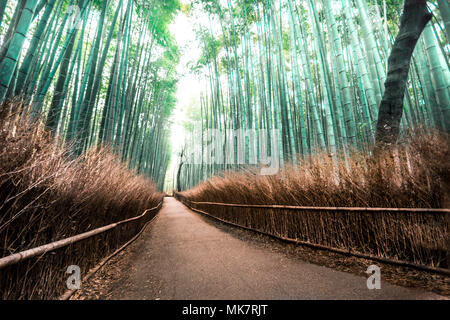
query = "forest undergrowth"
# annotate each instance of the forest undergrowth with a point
(47, 195)
(414, 174)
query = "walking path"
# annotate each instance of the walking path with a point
(183, 255)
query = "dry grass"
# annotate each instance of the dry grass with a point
(414, 175)
(44, 197)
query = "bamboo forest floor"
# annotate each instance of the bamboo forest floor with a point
(183, 255)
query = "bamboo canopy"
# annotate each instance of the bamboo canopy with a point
(95, 72)
(315, 71)
(310, 73)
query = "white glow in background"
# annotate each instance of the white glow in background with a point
(189, 87)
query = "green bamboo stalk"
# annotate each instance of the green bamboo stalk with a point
(9, 62)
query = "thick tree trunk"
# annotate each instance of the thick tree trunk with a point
(414, 19)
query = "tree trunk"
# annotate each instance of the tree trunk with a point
(9, 63)
(11, 28)
(414, 19)
(2, 10)
(54, 111)
(33, 48)
(444, 7)
(179, 189)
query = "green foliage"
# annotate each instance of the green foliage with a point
(110, 82)
(315, 70)
(160, 15)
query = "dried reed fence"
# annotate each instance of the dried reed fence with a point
(46, 196)
(415, 175)
(411, 237)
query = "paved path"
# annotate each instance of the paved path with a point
(183, 255)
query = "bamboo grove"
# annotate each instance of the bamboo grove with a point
(95, 72)
(313, 69)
